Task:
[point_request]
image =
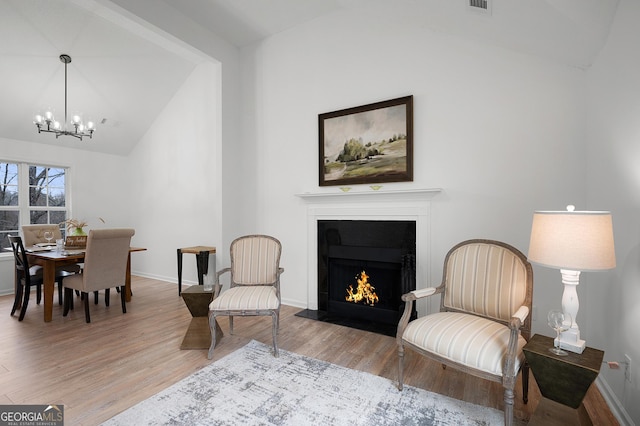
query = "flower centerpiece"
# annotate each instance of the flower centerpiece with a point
(75, 226)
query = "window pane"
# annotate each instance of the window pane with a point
(8, 184)
(38, 217)
(56, 197)
(37, 181)
(9, 221)
(57, 217)
(37, 196)
(37, 175)
(56, 178)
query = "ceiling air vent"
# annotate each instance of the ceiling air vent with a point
(479, 6)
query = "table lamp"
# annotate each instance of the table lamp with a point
(572, 241)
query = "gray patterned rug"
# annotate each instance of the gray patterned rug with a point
(251, 387)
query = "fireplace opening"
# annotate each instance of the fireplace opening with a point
(377, 256)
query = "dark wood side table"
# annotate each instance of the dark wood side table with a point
(198, 335)
(563, 382)
(202, 262)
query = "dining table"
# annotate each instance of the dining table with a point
(50, 260)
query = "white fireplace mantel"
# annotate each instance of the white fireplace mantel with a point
(401, 204)
(371, 195)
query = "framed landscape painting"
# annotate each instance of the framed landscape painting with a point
(367, 144)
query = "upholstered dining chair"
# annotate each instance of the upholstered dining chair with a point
(105, 266)
(26, 277)
(484, 321)
(34, 234)
(254, 284)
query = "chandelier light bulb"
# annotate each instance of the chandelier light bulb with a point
(76, 119)
(48, 115)
(56, 125)
(38, 119)
(90, 125)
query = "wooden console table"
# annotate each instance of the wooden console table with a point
(563, 382)
(202, 262)
(198, 335)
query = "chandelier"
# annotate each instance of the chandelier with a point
(48, 124)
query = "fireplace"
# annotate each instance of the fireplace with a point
(379, 209)
(364, 267)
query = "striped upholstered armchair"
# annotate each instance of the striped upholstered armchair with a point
(255, 284)
(484, 320)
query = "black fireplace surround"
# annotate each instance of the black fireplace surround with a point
(385, 251)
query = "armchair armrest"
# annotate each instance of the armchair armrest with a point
(521, 314)
(419, 294)
(217, 286)
(220, 272)
(408, 298)
(517, 319)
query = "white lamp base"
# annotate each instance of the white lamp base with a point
(570, 341)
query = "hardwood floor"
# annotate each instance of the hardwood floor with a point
(97, 370)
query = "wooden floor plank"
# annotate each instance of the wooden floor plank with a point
(98, 370)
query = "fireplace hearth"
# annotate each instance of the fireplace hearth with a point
(364, 267)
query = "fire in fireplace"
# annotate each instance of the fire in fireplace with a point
(364, 267)
(364, 292)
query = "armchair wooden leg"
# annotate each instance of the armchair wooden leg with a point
(508, 406)
(400, 366)
(274, 331)
(230, 324)
(212, 328)
(106, 296)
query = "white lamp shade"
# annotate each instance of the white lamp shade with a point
(572, 240)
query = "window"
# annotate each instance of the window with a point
(30, 194)
(9, 209)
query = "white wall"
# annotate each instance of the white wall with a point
(614, 184)
(237, 190)
(501, 133)
(99, 187)
(176, 178)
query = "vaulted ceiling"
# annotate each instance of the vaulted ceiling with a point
(122, 74)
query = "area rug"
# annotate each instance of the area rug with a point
(252, 387)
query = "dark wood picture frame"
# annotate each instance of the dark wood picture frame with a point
(367, 144)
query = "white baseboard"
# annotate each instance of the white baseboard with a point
(171, 280)
(614, 403)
